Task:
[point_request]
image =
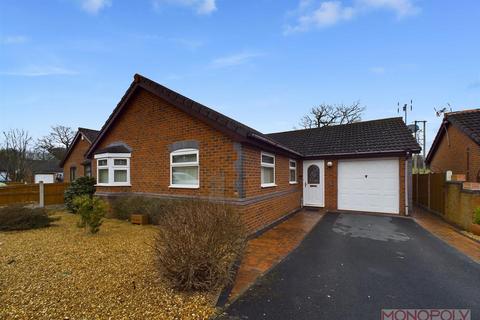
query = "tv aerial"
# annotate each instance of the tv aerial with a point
(405, 108)
(443, 110)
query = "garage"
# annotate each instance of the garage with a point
(370, 185)
(46, 178)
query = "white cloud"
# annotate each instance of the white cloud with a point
(201, 6)
(40, 71)
(378, 70)
(17, 39)
(401, 8)
(314, 14)
(234, 59)
(94, 6)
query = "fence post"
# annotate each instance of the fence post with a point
(429, 192)
(41, 194)
(416, 190)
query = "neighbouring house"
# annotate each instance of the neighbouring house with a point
(3, 175)
(456, 146)
(158, 143)
(48, 171)
(74, 163)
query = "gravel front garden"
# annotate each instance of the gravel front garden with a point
(61, 272)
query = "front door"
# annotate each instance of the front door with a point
(313, 183)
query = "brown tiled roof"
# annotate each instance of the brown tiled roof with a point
(467, 121)
(233, 128)
(114, 149)
(90, 134)
(45, 166)
(376, 136)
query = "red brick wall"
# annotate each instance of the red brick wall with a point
(263, 213)
(149, 126)
(285, 198)
(453, 156)
(228, 170)
(331, 185)
(75, 159)
(252, 173)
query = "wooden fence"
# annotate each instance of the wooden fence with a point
(30, 193)
(429, 191)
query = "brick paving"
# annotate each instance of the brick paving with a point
(265, 251)
(447, 233)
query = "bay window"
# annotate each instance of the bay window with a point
(184, 169)
(113, 169)
(267, 163)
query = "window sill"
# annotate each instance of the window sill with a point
(183, 187)
(296, 182)
(268, 185)
(113, 185)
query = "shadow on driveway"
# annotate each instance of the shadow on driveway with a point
(353, 265)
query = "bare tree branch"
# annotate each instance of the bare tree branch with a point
(57, 141)
(14, 154)
(328, 115)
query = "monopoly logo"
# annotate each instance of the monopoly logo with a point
(426, 314)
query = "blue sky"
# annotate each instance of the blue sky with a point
(262, 62)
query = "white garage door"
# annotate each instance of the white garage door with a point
(369, 185)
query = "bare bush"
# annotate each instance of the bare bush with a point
(20, 217)
(198, 243)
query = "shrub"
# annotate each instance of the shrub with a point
(81, 186)
(91, 211)
(476, 216)
(18, 217)
(198, 243)
(155, 208)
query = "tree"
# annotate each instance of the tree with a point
(57, 141)
(15, 152)
(328, 115)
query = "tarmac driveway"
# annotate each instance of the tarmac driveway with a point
(353, 265)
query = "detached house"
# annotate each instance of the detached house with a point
(456, 146)
(74, 163)
(159, 143)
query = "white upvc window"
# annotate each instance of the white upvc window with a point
(113, 169)
(267, 163)
(184, 169)
(292, 167)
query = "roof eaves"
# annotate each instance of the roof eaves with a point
(339, 154)
(70, 148)
(275, 144)
(463, 128)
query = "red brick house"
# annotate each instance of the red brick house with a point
(159, 143)
(456, 146)
(74, 163)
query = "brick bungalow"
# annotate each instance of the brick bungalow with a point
(159, 143)
(74, 163)
(456, 146)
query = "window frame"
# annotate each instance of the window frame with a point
(185, 164)
(267, 165)
(87, 170)
(290, 168)
(73, 173)
(110, 158)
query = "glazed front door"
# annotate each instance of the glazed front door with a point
(313, 183)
